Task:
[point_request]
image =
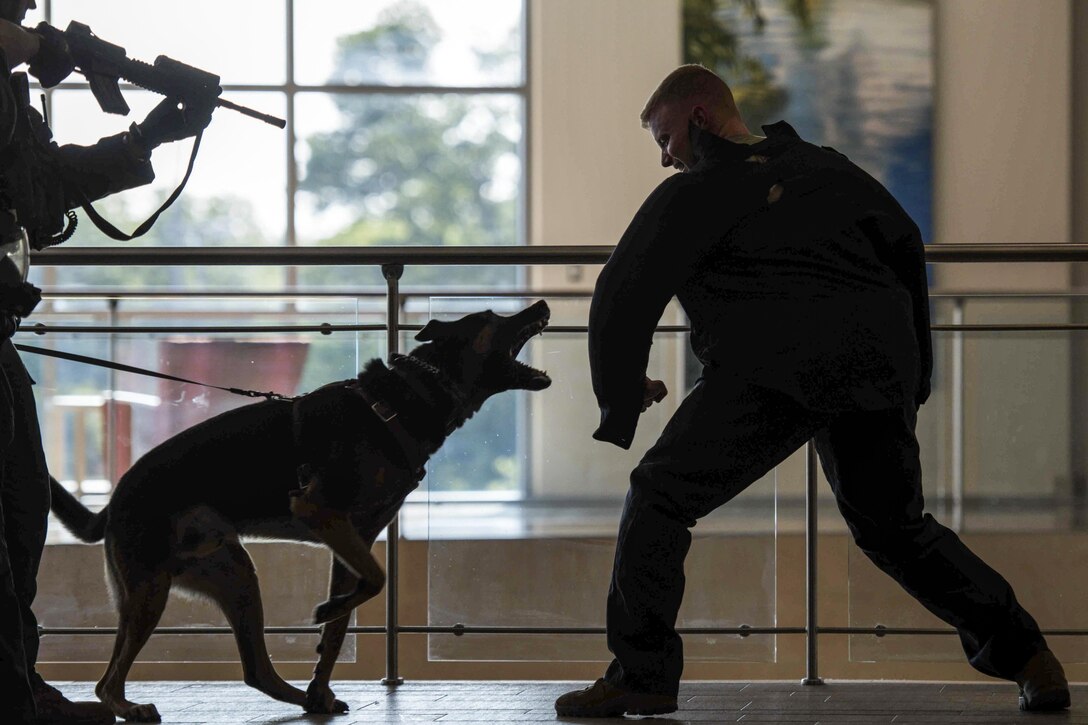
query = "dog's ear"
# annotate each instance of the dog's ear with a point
(464, 329)
(431, 331)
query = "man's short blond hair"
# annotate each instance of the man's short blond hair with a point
(691, 81)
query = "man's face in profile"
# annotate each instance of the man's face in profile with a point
(668, 125)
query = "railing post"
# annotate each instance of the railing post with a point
(392, 274)
(112, 474)
(811, 631)
(958, 419)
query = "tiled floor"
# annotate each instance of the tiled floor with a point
(833, 703)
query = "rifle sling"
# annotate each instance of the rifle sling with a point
(113, 232)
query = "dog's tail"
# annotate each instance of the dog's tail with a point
(84, 524)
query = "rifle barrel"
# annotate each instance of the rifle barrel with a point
(272, 120)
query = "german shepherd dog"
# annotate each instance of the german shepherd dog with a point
(330, 467)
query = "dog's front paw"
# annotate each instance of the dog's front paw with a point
(141, 713)
(321, 701)
(334, 608)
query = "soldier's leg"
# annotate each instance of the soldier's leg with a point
(20, 550)
(18, 703)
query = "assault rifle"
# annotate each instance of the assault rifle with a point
(41, 193)
(104, 64)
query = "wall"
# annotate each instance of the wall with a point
(1079, 195)
(1003, 135)
(1003, 149)
(593, 64)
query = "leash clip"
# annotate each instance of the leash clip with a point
(257, 394)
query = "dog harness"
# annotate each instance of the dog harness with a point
(414, 453)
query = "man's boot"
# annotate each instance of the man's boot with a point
(54, 707)
(1042, 683)
(602, 699)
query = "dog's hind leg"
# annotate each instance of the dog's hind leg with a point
(140, 602)
(319, 695)
(229, 578)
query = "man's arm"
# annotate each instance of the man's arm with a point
(651, 261)
(898, 243)
(911, 271)
(18, 44)
(111, 164)
(123, 161)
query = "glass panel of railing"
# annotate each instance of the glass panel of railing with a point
(535, 549)
(1004, 436)
(95, 421)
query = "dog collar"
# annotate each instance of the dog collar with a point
(443, 381)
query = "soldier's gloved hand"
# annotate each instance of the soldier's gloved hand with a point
(171, 121)
(53, 62)
(17, 298)
(9, 325)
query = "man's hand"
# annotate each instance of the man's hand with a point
(53, 61)
(17, 298)
(653, 391)
(171, 121)
(922, 395)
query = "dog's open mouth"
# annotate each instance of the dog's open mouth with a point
(527, 377)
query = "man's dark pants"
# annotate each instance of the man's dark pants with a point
(726, 435)
(24, 512)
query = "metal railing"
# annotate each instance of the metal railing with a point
(393, 260)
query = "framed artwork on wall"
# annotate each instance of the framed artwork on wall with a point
(856, 75)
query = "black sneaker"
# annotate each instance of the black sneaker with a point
(1042, 683)
(602, 699)
(54, 707)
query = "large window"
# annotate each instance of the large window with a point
(405, 126)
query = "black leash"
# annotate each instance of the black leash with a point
(141, 371)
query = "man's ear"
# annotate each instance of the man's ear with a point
(700, 117)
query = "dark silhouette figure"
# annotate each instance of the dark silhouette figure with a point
(805, 284)
(39, 182)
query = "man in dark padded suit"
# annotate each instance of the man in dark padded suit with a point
(805, 284)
